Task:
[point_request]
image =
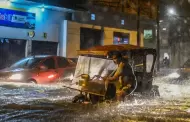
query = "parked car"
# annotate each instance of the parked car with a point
(40, 69)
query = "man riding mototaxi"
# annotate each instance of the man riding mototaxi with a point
(123, 77)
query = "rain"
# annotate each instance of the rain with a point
(76, 27)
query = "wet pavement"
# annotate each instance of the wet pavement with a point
(52, 103)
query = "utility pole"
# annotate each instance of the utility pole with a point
(158, 36)
(138, 24)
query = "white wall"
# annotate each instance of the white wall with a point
(48, 21)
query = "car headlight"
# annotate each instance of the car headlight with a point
(174, 75)
(16, 77)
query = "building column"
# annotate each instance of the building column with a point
(63, 38)
(102, 35)
(28, 48)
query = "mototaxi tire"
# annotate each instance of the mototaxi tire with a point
(78, 98)
(94, 98)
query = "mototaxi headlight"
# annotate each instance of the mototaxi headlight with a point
(16, 77)
(174, 75)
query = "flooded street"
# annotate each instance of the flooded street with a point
(104, 49)
(39, 103)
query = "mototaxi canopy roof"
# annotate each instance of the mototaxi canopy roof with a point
(103, 50)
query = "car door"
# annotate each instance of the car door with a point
(65, 69)
(49, 75)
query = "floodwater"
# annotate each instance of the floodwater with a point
(52, 103)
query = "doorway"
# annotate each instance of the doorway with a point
(89, 38)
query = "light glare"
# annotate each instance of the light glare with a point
(16, 77)
(43, 9)
(171, 11)
(51, 76)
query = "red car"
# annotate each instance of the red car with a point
(40, 70)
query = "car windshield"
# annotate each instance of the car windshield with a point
(26, 63)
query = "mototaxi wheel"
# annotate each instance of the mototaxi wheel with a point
(80, 98)
(94, 98)
(111, 92)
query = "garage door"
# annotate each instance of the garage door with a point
(44, 48)
(11, 50)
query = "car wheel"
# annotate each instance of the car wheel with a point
(32, 81)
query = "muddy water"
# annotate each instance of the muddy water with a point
(52, 103)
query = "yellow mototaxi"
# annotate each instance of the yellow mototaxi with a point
(94, 65)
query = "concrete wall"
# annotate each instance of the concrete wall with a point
(73, 36)
(106, 19)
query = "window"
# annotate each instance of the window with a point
(49, 63)
(122, 22)
(32, 62)
(120, 38)
(149, 62)
(26, 63)
(20, 64)
(62, 62)
(93, 16)
(90, 37)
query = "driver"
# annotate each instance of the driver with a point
(123, 76)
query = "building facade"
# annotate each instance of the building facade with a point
(60, 31)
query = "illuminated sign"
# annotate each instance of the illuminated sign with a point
(147, 34)
(31, 34)
(17, 19)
